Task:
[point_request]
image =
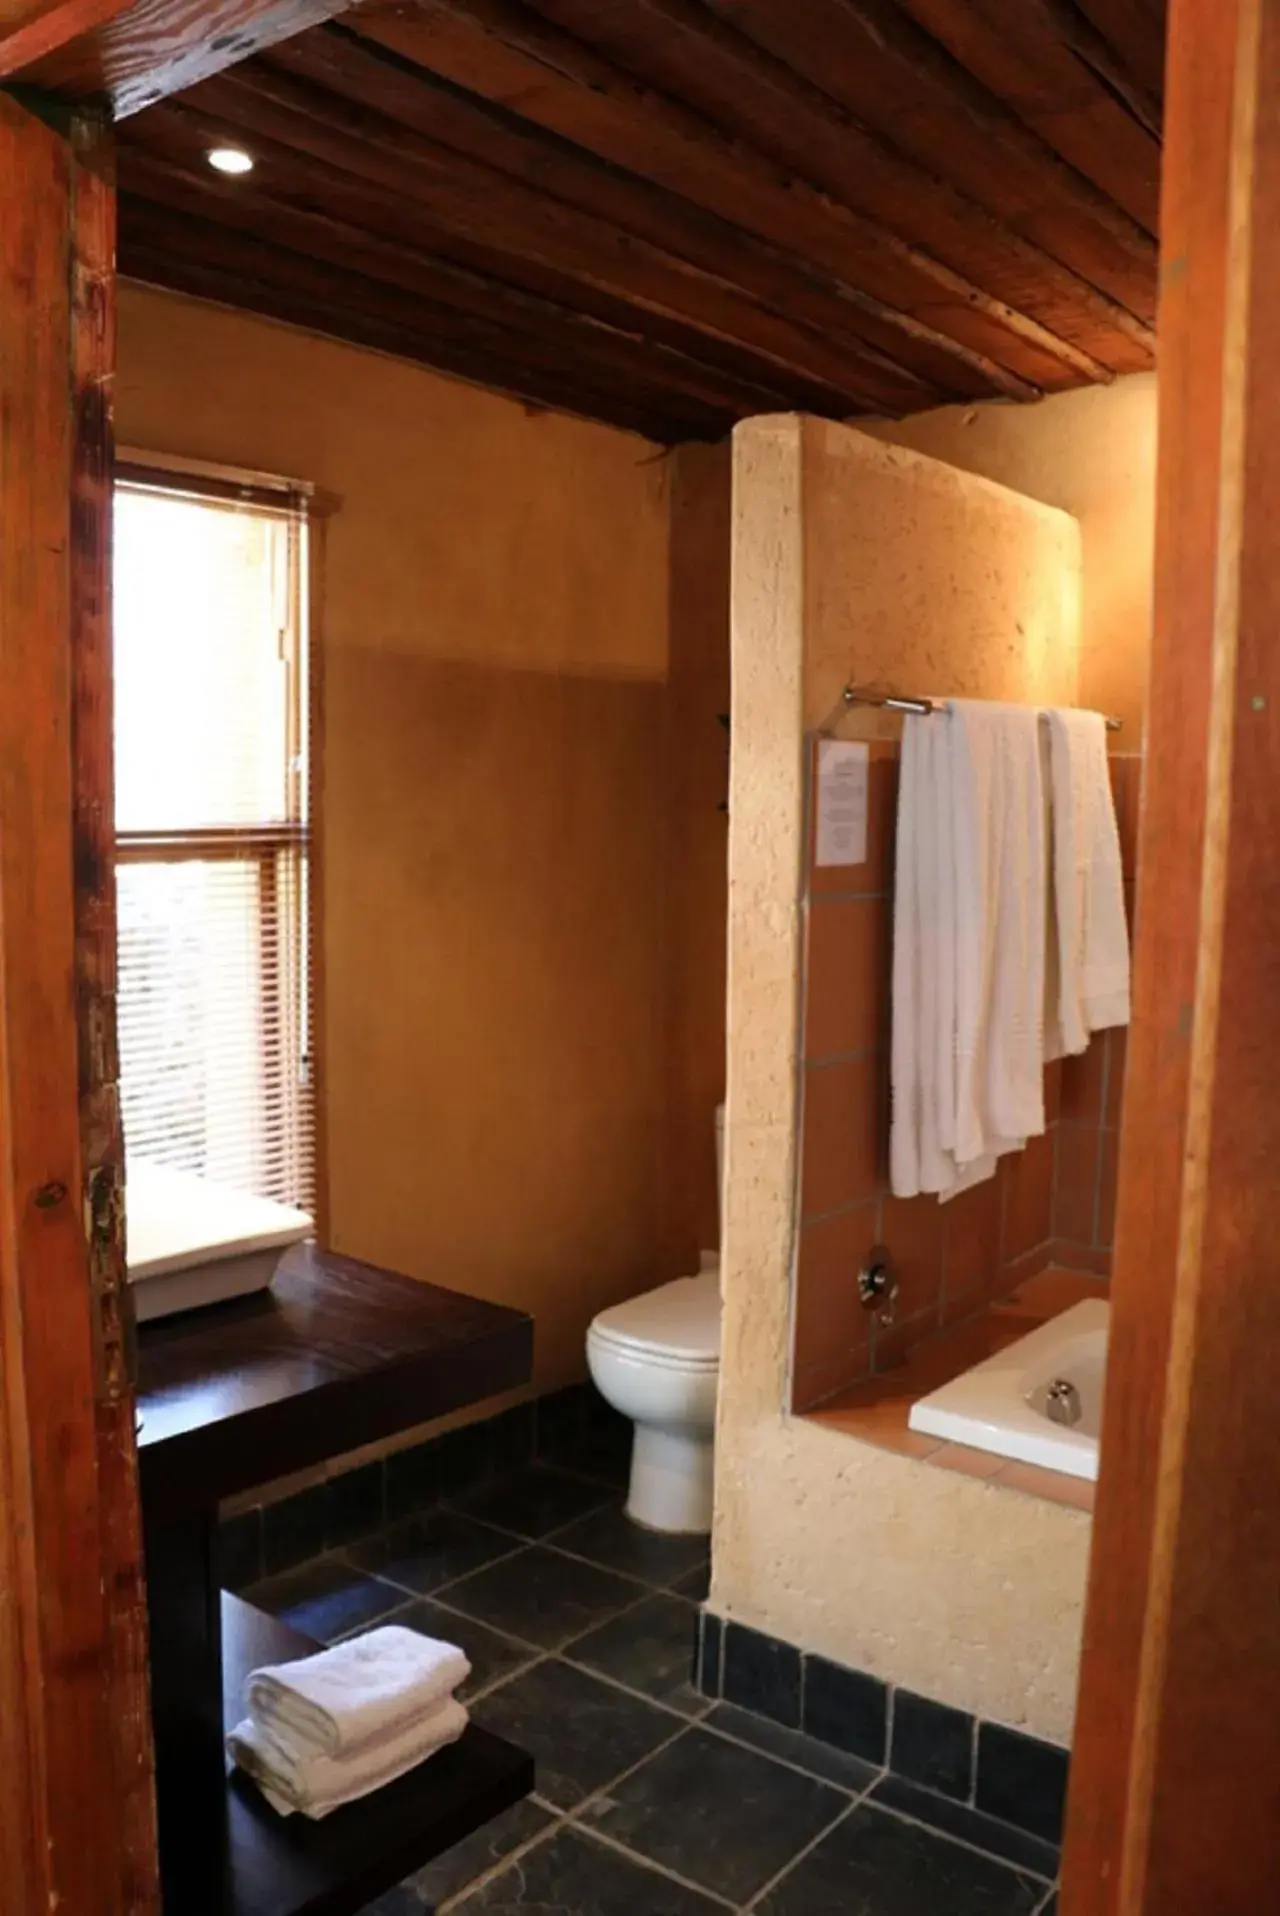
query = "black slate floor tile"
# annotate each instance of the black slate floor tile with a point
(535, 1502)
(791, 1746)
(761, 1674)
(710, 1653)
(542, 1596)
(560, 1420)
(325, 1599)
(609, 1537)
(845, 1707)
(878, 1865)
(649, 1649)
(492, 1656)
(715, 1813)
(970, 1825)
(570, 1875)
(1022, 1779)
(430, 1550)
(932, 1744)
(581, 1732)
(451, 1873)
(697, 1584)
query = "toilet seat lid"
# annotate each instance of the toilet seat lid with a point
(680, 1321)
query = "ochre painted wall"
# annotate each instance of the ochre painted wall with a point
(697, 788)
(496, 651)
(1092, 453)
(960, 1590)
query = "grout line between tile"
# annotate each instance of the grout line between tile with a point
(813, 1776)
(593, 1797)
(962, 1842)
(824, 897)
(425, 1596)
(508, 1676)
(542, 1649)
(651, 1589)
(565, 1817)
(660, 1869)
(512, 1856)
(370, 1623)
(640, 1696)
(825, 1059)
(799, 1857)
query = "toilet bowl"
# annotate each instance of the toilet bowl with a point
(656, 1358)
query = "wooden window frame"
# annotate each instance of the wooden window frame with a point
(264, 845)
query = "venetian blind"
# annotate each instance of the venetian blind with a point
(211, 760)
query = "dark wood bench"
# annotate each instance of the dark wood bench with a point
(337, 1354)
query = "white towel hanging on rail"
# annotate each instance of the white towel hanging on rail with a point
(1090, 930)
(967, 1050)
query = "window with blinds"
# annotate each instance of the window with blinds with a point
(211, 763)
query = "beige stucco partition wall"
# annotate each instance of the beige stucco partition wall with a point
(1093, 452)
(854, 557)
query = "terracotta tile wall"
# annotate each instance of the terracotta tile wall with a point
(1053, 1201)
(951, 1259)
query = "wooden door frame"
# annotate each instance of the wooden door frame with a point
(1177, 1763)
(1177, 1743)
(77, 1827)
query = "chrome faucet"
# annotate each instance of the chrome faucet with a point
(1062, 1402)
(878, 1284)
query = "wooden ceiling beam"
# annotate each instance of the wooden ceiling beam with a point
(253, 275)
(741, 61)
(1035, 58)
(407, 186)
(1136, 30)
(372, 79)
(134, 52)
(328, 225)
(1088, 45)
(321, 252)
(849, 179)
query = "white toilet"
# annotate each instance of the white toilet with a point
(656, 1358)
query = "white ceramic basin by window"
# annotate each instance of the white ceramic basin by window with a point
(191, 1241)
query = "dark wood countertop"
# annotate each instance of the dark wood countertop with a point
(336, 1354)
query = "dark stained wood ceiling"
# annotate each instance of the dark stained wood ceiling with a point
(669, 214)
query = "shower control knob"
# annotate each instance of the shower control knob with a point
(878, 1284)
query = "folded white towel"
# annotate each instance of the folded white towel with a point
(966, 1062)
(318, 1784)
(373, 1685)
(1091, 934)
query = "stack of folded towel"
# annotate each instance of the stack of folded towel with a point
(329, 1728)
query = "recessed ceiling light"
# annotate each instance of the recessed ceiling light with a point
(230, 159)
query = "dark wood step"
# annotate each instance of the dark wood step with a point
(291, 1866)
(336, 1354)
